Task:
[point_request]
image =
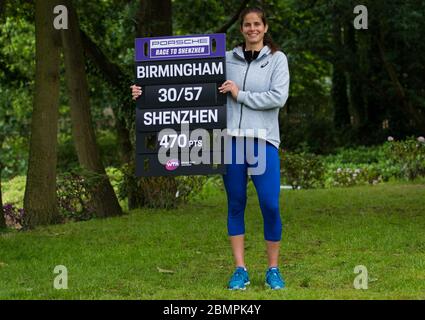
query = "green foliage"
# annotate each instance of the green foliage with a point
(13, 156)
(409, 155)
(75, 190)
(358, 155)
(13, 190)
(355, 166)
(67, 156)
(307, 134)
(304, 170)
(348, 177)
(213, 186)
(14, 216)
(158, 192)
(390, 161)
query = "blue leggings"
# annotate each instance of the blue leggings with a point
(266, 184)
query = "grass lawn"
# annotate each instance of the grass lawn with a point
(326, 233)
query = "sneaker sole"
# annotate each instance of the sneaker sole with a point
(246, 283)
(268, 286)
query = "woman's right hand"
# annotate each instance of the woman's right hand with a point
(136, 91)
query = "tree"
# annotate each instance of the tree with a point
(2, 221)
(105, 201)
(40, 202)
(354, 79)
(339, 82)
(153, 19)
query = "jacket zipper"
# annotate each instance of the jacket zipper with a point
(244, 81)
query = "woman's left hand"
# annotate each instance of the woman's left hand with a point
(229, 86)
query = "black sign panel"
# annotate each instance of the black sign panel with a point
(148, 120)
(180, 71)
(151, 142)
(180, 95)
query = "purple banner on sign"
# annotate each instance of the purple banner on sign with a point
(179, 52)
(180, 47)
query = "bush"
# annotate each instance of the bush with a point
(14, 216)
(14, 189)
(157, 192)
(74, 192)
(304, 170)
(358, 155)
(348, 177)
(409, 155)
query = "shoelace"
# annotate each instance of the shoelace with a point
(275, 274)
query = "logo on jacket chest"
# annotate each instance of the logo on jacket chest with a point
(264, 64)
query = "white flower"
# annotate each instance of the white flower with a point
(338, 170)
(390, 138)
(357, 171)
(421, 139)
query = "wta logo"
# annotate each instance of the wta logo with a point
(172, 164)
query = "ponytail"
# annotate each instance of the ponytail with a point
(268, 41)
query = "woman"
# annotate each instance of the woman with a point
(258, 82)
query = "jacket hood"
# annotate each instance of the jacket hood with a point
(237, 51)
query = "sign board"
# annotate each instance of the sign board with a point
(180, 106)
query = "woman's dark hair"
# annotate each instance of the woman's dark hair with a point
(268, 41)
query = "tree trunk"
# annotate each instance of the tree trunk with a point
(119, 80)
(126, 149)
(375, 103)
(2, 221)
(405, 102)
(339, 82)
(105, 200)
(153, 19)
(354, 81)
(40, 202)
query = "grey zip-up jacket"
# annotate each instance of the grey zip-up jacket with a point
(263, 90)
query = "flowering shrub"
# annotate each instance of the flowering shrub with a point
(348, 177)
(304, 170)
(15, 217)
(74, 190)
(409, 155)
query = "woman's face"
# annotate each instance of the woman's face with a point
(253, 29)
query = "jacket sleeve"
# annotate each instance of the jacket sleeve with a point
(277, 95)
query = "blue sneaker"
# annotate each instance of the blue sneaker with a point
(274, 280)
(239, 279)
